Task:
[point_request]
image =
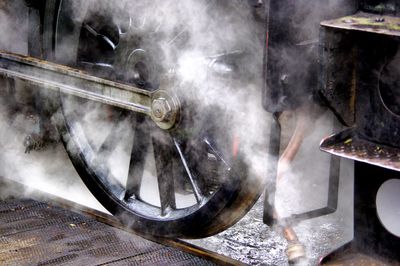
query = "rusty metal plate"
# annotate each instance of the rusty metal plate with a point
(365, 22)
(349, 144)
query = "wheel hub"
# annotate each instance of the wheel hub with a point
(165, 109)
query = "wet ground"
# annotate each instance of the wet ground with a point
(252, 242)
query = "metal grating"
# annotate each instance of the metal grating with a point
(33, 233)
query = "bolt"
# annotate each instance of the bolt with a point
(161, 109)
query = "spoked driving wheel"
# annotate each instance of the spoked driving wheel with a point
(175, 170)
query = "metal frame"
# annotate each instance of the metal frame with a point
(333, 186)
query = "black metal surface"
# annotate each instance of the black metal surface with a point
(37, 233)
(371, 239)
(362, 93)
(270, 188)
(374, 119)
(292, 50)
(346, 255)
(164, 171)
(337, 74)
(292, 75)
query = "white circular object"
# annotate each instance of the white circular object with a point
(388, 205)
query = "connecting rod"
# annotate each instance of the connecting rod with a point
(160, 105)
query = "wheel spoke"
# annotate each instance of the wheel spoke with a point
(186, 26)
(109, 143)
(162, 154)
(104, 39)
(124, 23)
(94, 66)
(141, 142)
(193, 181)
(216, 153)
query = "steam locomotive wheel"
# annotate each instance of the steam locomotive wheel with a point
(188, 180)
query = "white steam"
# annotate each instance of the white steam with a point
(196, 39)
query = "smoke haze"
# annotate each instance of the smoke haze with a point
(194, 43)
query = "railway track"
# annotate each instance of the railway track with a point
(43, 229)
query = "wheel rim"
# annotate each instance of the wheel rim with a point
(128, 201)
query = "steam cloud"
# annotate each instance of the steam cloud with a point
(195, 39)
(193, 43)
(195, 36)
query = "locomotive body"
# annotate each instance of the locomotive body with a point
(180, 81)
